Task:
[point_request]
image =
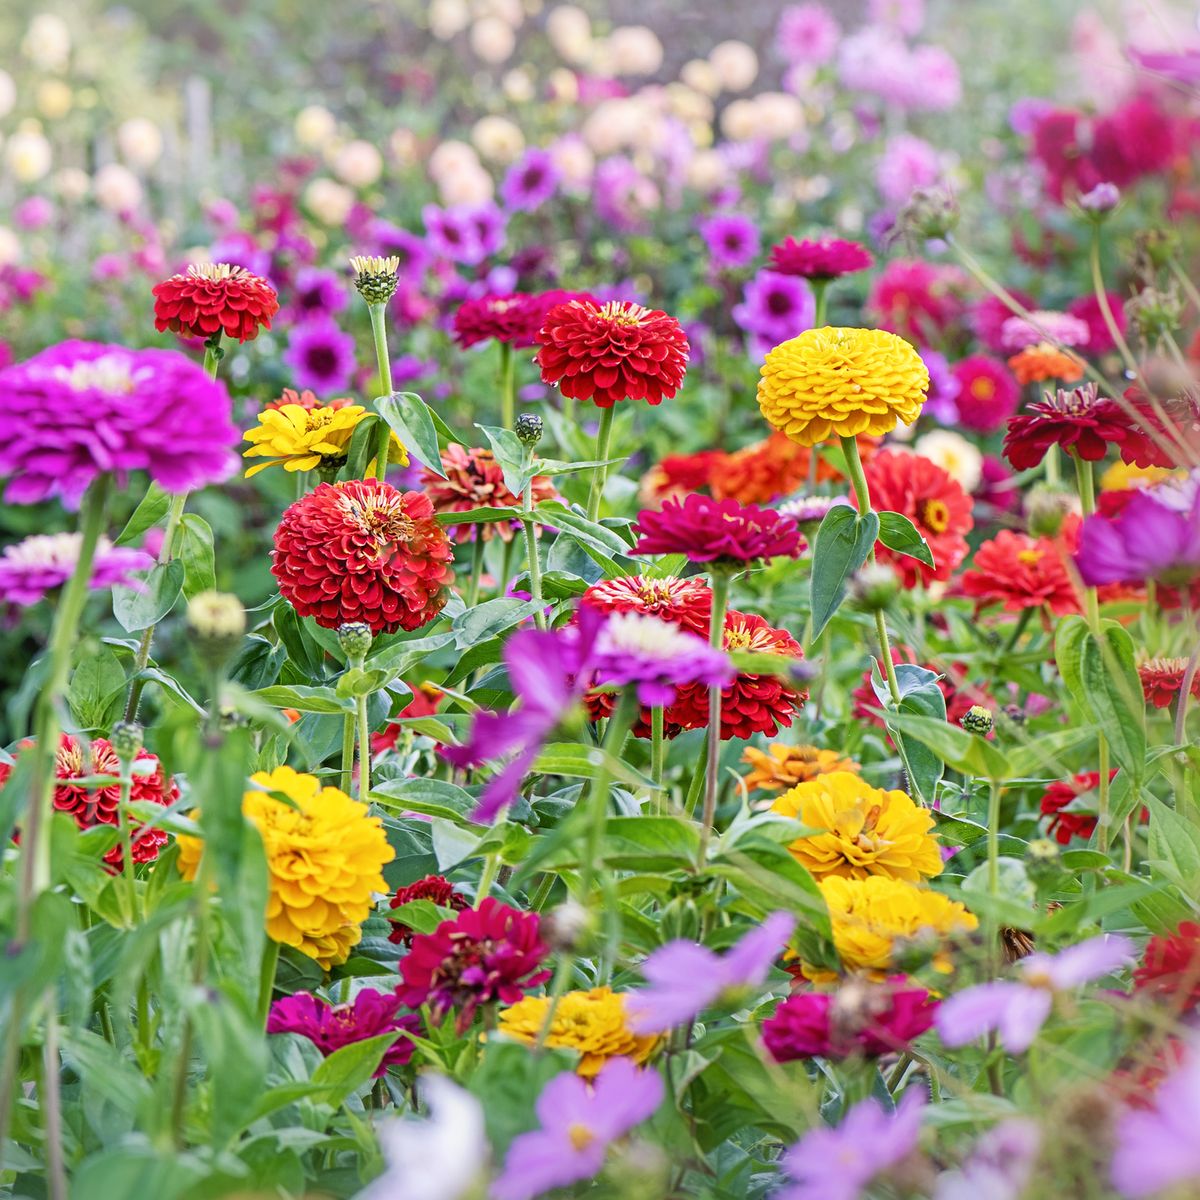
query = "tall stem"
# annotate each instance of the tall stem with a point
(346, 777)
(597, 811)
(658, 748)
(266, 980)
(364, 751)
(1185, 691)
(600, 474)
(51, 1104)
(384, 434)
(716, 639)
(820, 289)
(472, 596)
(1106, 312)
(508, 386)
(532, 562)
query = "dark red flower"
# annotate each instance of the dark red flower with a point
(1079, 821)
(1022, 572)
(612, 352)
(423, 703)
(1170, 968)
(1137, 1081)
(1161, 432)
(864, 1019)
(720, 531)
(363, 551)
(435, 888)
(514, 318)
(1080, 421)
(1162, 679)
(484, 955)
(331, 1026)
(935, 503)
(214, 298)
(820, 259)
(686, 603)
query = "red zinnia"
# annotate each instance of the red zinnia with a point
(935, 503)
(474, 479)
(214, 298)
(363, 551)
(1171, 967)
(686, 603)
(987, 393)
(99, 806)
(1078, 822)
(1080, 421)
(612, 352)
(819, 259)
(1161, 433)
(483, 955)
(720, 531)
(677, 475)
(437, 889)
(511, 318)
(1162, 679)
(423, 703)
(1021, 572)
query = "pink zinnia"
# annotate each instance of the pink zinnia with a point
(41, 564)
(819, 259)
(917, 300)
(720, 531)
(330, 1027)
(988, 394)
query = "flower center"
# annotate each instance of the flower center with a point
(580, 1136)
(617, 312)
(983, 388)
(111, 374)
(317, 418)
(216, 271)
(385, 521)
(1030, 558)
(934, 515)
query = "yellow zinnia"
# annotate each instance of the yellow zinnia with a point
(785, 766)
(835, 382)
(871, 916)
(299, 438)
(324, 858)
(591, 1022)
(870, 831)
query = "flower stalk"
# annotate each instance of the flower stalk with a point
(600, 474)
(716, 638)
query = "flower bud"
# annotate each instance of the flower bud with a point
(1153, 251)
(929, 213)
(1156, 312)
(218, 621)
(977, 719)
(1046, 507)
(529, 429)
(1015, 713)
(126, 739)
(375, 277)
(355, 639)
(229, 719)
(1101, 200)
(1042, 850)
(874, 587)
(809, 511)
(565, 927)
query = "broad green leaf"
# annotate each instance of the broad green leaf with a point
(1113, 694)
(147, 603)
(403, 656)
(599, 537)
(149, 512)
(490, 618)
(965, 752)
(350, 1068)
(305, 699)
(97, 687)
(843, 543)
(511, 457)
(898, 533)
(433, 797)
(196, 552)
(411, 420)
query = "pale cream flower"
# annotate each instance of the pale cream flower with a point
(28, 155)
(961, 460)
(140, 142)
(54, 99)
(707, 172)
(451, 156)
(634, 50)
(498, 139)
(735, 65)
(47, 42)
(10, 247)
(570, 32)
(493, 40)
(470, 186)
(314, 126)
(358, 164)
(8, 93)
(328, 201)
(574, 160)
(116, 188)
(71, 183)
(698, 73)
(448, 18)
(519, 85)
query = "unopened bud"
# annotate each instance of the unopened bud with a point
(1156, 312)
(529, 429)
(874, 587)
(929, 213)
(1046, 508)
(1101, 200)
(355, 639)
(1042, 850)
(229, 719)
(564, 927)
(977, 719)
(126, 740)
(809, 511)
(218, 621)
(375, 277)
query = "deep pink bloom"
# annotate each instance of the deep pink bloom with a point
(732, 240)
(819, 259)
(530, 181)
(917, 300)
(720, 531)
(1087, 310)
(1081, 421)
(81, 409)
(686, 978)
(1148, 539)
(43, 562)
(988, 394)
(988, 315)
(330, 1027)
(579, 1121)
(513, 317)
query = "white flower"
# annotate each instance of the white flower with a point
(10, 246)
(497, 138)
(8, 93)
(439, 1158)
(28, 155)
(117, 188)
(314, 126)
(47, 43)
(954, 454)
(358, 163)
(574, 160)
(519, 85)
(570, 32)
(493, 40)
(54, 99)
(447, 18)
(700, 74)
(471, 187)
(328, 201)
(140, 142)
(450, 157)
(71, 183)
(634, 50)
(735, 65)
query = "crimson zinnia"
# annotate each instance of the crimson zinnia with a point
(214, 298)
(1171, 967)
(513, 318)
(1021, 572)
(1081, 421)
(1078, 822)
(819, 259)
(363, 551)
(684, 602)
(437, 889)
(717, 531)
(484, 955)
(1162, 680)
(612, 352)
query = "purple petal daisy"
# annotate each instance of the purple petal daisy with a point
(42, 563)
(733, 240)
(321, 357)
(530, 181)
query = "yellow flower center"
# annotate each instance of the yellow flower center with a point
(934, 515)
(216, 271)
(318, 418)
(982, 388)
(623, 314)
(580, 1136)
(1030, 558)
(111, 373)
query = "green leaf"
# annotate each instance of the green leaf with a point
(196, 551)
(965, 752)
(511, 456)
(919, 696)
(145, 605)
(556, 515)
(574, 761)
(305, 699)
(358, 682)
(1043, 755)
(97, 685)
(1113, 694)
(403, 656)
(350, 1068)
(1174, 845)
(508, 1081)
(843, 542)
(477, 516)
(898, 533)
(433, 797)
(411, 420)
(490, 618)
(149, 512)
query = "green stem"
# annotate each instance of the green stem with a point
(993, 840)
(532, 562)
(658, 751)
(364, 751)
(600, 474)
(128, 891)
(266, 980)
(699, 773)
(472, 596)
(51, 1105)
(820, 289)
(379, 335)
(508, 386)
(545, 886)
(716, 639)
(1106, 312)
(491, 864)
(597, 812)
(1185, 690)
(346, 778)
(1018, 629)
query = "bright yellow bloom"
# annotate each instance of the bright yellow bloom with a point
(1123, 477)
(324, 858)
(872, 916)
(836, 382)
(301, 439)
(870, 831)
(591, 1022)
(785, 766)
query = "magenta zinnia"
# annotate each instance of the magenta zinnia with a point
(819, 259)
(41, 564)
(331, 1026)
(717, 531)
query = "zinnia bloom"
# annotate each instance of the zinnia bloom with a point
(679, 474)
(1149, 539)
(1162, 678)
(213, 298)
(363, 551)
(763, 472)
(612, 352)
(298, 438)
(988, 394)
(774, 308)
(1080, 421)
(321, 355)
(512, 318)
(868, 831)
(483, 955)
(1021, 572)
(331, 1026)
(1036, 364)
(859, 1018)
(530, 182)
(1018, 332)
(593, 1022)
(717, 531)
(1170, 967)
(835, 382)
(81, 409)
(919, 489)
(473, 479)
(437, 889)
(325, 856)
(1069, 805)
(90, 807)
(820, 259)
(36, 566)
(784, 766)
(732, 240)
(684, 602)
(917, 300)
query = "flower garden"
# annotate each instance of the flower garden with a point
(600, 608)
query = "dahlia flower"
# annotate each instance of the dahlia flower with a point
(1021, 572)
(610, 352)
(864, 830)
(530, 181)
(1170, 967)
(40, 564)
(325, 855)
(92, 806)
(684, 602)
(363, 551)
(331, 1026)
(299, 438)
(1162, 680)
(480, 956)
(1081, 421)
(437, 889)
(716, 531)
(321, 355)
(835, 382)
(473, 479)
(774, 308)
(858, 1019)
(820, 259)
(783, 766)
(83, 409)
(594, 1022)
(209, 299)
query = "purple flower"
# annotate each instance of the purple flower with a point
(579, 1123)
(321, 357)
(622, 194)
(1157, 1147)
(944, 387)
(905, 15)
(655, 657)
(451, 234)
(44, 562)
(686, 978)
(908, 162)
(732, 240)
(1017, 1011)
(839, 1164)
(330, 1027)
(775, 307)
(530, 181)
(1104, 197)
(1148, 539)
(807, 33)
(316, 293)
(393, 242)
(1000, 1165)
(81, 409)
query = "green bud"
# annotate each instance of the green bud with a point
(355, 639)
(218, 623)
(375, 277)
(529, 429)
(1046, 507)
(126, 739)
(977, 719)
(1156, 312)
(929, 213)
(874, 587)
